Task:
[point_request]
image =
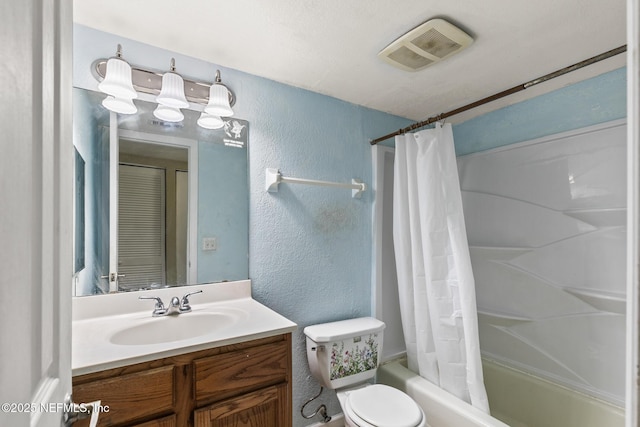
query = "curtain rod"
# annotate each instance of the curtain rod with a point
(504, 93)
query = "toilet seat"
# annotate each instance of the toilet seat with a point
(381, 405)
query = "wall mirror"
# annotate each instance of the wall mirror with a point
(157, 204)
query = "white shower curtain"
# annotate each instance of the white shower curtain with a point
(435, 281)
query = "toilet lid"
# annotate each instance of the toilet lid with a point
(381, 405)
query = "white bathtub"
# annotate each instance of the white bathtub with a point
(519, 399)
(441, 408)
(524, 400)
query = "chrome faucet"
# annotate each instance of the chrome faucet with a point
(176, 306)
(184, 303)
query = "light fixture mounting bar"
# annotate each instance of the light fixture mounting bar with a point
(147, 81)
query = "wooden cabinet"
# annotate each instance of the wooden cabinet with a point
(137, 395)
(246, 384)
(169, 421)
(261, 408)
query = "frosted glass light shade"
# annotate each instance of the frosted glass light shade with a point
(172, 92)
(218, 101)
(168, 114)
(209, 121)
(117, 80)
(119, 105)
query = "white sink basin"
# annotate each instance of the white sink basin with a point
(157, 330)
(115, 330)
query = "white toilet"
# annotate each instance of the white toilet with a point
(343, 356)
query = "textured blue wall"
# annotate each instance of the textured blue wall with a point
(596, 100)
(310, 247)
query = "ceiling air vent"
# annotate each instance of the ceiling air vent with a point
(425, 45)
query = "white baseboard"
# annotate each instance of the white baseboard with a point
(336, 421)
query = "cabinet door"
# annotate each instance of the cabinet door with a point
(261, 408)
(169, 421)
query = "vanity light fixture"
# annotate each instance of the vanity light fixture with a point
(172, 92)
(171, 98)
(218, 104)
(209, 121)
(119, 105)
(117, 84)
(168, 114)
(217, 107)
(117, 81)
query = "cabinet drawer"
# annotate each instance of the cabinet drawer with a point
(225, 375)
(130, 397)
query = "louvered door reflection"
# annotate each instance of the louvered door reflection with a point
(141, 227)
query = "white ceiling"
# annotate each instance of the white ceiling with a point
(331, 46)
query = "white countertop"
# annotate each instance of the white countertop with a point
(97, 318)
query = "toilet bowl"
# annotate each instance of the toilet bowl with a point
(343, 356)
(379, 405)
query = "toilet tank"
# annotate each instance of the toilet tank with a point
(346, 352)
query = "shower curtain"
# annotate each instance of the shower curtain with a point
(435, 281)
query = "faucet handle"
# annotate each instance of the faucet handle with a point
(159, 309)
(184, 304)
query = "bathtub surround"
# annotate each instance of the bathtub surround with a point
(547, 232)
(435, 281)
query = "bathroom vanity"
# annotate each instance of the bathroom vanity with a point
(238, 370)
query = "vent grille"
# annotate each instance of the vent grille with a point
(408, 57)
(425, 45)
(436, 43)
